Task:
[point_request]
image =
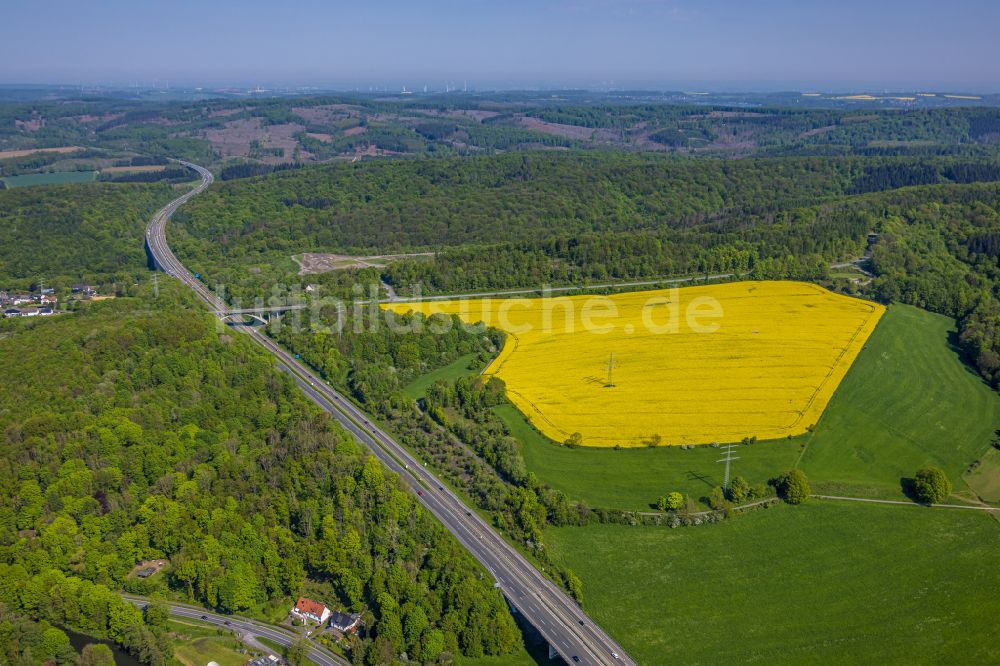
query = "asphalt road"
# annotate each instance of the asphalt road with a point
(579, 287)
(246, 626)
(545, 606)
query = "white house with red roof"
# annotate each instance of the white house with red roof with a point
(308, 610)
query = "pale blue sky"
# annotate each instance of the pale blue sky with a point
(743, 44)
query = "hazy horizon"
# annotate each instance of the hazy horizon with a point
(762, 46)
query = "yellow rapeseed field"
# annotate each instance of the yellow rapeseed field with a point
(694, 365)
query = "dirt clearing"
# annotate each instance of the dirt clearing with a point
(316, 262)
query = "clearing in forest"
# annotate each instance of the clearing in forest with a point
(322, 262)
(693, 365)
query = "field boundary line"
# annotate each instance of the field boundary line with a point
(905, 503)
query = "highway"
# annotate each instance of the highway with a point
(544, 605)
(246, 626)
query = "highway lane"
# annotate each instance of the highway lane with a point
(545, 606)
(557, 617)
(246, 626)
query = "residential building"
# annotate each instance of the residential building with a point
(11, 312)
(269, 660)
(345, 622)
(310, 611)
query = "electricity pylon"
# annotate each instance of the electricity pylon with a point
(611, 371)
(728, 459)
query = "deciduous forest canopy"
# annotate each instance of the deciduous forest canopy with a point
(149, 433)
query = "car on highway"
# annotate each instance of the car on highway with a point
(576, 658)
(228, 623)
(420, 492)
(204, 617)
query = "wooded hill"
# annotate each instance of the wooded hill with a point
(146, 432)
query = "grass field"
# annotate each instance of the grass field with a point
(418, 387)
(984, 480)
(54, 178)
(907, 401)
(830, 583)
(200, 651)
(693, 365)
(632, 479)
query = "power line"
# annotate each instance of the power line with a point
(611, 369)
(728, 459)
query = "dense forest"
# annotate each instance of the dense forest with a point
(242, 233)
(528, 219)
(935, 252)
(150, 433)
(327, 127)
(76, 233)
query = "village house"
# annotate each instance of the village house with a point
(84, 289)
(308, 610)
(27, 312)
(345, 623)
(21, 299)
(269, 660)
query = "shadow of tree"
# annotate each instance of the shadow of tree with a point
(955, 345)
(909, 487)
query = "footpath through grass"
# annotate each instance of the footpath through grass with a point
(824, 582)
(907, 401)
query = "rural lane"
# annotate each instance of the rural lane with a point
(245, 627)
(905, 503)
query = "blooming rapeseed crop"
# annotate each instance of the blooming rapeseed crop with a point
(695, 365)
